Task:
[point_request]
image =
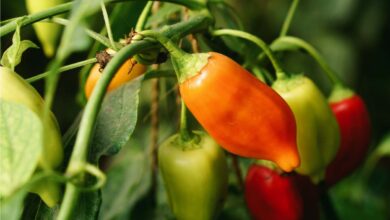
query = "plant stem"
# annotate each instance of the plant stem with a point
(142, 18)
(87, 123)
(260, 43)
(6, 21)
(108, 26)
(59, 9)
(29, 19)
(288, 19)
(80, 150)
(96, 36)
(184, 132)
(62, 69)
(332, 76)
(153, 148)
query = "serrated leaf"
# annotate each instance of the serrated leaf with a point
(128, 181)
(13, 55)
(116, 120)
(20, 145)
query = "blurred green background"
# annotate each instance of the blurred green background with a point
(353, 36)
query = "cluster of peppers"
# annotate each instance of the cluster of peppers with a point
(292, 124)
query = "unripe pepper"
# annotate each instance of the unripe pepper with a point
(48, 33)
(195, 176)
(355, 128)
(128, 71)
(318, 132)
(271, 195)
(15, 89)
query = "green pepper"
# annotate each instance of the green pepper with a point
(195, 175)
(318, 134)
(16, 89)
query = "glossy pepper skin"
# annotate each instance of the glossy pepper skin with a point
(15, 89)
(273, 196)
(47, 33)
(318, 132)
(355, 127)
(195, 176)
(129, 70)
(242, 114)
(126, 72)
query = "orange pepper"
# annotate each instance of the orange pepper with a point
(128, 71)
(241, 113)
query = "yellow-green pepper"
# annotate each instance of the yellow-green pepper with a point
(15, 89)
(47, 33)
(318, 133)
(195, 176)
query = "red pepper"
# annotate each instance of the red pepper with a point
(354, 122)
(273, 196)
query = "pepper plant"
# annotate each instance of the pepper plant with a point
(177, 104)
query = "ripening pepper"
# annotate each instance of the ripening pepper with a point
(126, 72)
(47, 33)
(355, 129)
(15, 89)
(195, 175)
(271, 195)
(317, 130)
(242, 114)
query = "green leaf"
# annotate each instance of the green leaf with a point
(116, 120)
(12, 208)
(225, 17)
(80, 40)
(13, 55)
(88, 205)
(34, 206)
(20, 145)
(165, 12)
(128, 181)
(124, 17)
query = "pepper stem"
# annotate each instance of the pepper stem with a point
(332, 76)
(259, 42)
(185, 134)
(144, 15)
(185, 64)
(289, 17)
